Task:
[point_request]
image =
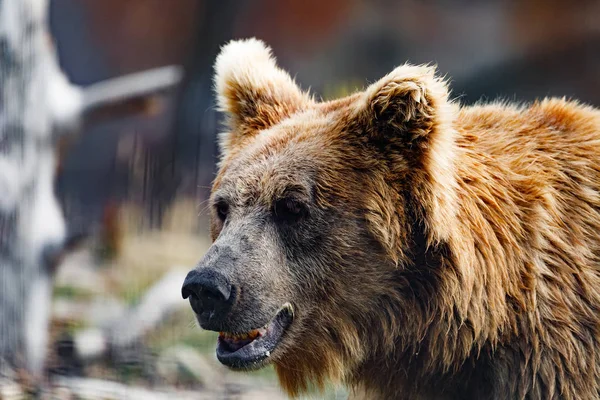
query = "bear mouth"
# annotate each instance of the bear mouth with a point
(252, 350)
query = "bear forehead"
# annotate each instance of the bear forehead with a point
(287, 156)
(304, 138)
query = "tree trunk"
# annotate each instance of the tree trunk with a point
(34, 95)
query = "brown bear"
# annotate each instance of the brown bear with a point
(399, 243)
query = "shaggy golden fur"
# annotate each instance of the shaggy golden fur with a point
(451, 252)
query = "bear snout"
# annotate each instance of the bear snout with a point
(211, 296)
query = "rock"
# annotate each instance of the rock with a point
(90, 343)
(185, 365)
(114, 329)
(100, 389)
(79, 270)
(158, 302)
(60, 393)
(263, 393)
(10, 390)
(98, 312)
(102, 312)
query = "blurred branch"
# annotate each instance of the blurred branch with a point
(138, 93)
(129, 94)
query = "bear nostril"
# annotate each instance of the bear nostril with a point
(186, 292)
(195, 303)
(214, 294)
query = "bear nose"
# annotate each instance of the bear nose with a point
(209, 291)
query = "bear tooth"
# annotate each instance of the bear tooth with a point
(289, 308)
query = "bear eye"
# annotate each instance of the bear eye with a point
(289, 210)
(222, 209)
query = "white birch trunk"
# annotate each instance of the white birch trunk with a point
(31, 222)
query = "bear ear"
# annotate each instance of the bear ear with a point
(409, 104)
(408, 116)
(253, 91)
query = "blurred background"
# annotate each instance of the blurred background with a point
(133, 180)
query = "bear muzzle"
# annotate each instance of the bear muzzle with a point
(212, 297)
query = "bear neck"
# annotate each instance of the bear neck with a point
(467, 292)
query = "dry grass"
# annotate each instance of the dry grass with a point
(146, 255)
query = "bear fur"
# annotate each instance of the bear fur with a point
(442, 252)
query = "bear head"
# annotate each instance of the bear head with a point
(326, 218)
